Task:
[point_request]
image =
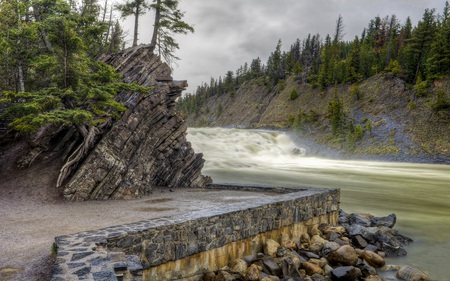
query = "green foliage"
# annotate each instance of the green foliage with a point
(337, 116)
(421, 88)
(219, 109)
(297, 69)
(355, 91)
(281, 85)
(63, 84)
(395, 68)
(302, 118)
(442, 101)
(168, 23)
(294, 94)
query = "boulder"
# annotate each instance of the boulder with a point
(317, 243)
(289, 244)
(388, 221)
(359, 241)
(312, 268)
(373, 259)
(239, 265)
(409, 273)
(359, 220)
(253, 273)
(272, 268)
(345, 255)
(224, 276)
(209, 276)
(271, 247)
(346, 273)
(330, 247)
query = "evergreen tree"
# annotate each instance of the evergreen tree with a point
(66, 86)
(420, 45)
(168, 22)
(134, 8)
(438, 63)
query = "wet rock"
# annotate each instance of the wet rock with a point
(373, 259)
(346, 273)
(388, 221)
(315, 231)
(253, 273)
(312, 268)
(239, 265)
(271, 247)
(409, 273)
(345, 255)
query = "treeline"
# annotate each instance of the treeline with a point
(414, 53)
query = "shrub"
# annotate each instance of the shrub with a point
(294, 94)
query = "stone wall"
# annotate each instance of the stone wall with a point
(147, 147)
(185, 246)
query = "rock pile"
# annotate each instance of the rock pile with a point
(354, 250)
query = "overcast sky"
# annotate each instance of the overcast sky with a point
(229, 33)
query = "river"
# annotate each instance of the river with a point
(419, 194)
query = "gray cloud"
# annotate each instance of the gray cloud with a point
(232, 32)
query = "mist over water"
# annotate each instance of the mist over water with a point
(419, 194)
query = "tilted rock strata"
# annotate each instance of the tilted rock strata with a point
(147, 147)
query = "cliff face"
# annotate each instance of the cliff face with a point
(147, 147)
(403, 125)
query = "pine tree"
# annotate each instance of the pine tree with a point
(420, 45)
(134, 8)
(438, 63)
(168, 22)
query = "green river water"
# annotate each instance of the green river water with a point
(419, 194)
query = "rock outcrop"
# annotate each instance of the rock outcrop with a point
(147, 147)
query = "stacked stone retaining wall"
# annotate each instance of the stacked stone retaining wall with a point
(185, 246)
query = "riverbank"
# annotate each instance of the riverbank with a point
(417, 193)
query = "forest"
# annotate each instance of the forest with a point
(418, 54)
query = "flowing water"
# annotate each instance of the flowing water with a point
(419, 194)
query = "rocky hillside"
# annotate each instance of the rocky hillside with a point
(383, 118)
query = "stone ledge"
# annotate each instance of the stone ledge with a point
(124, 252)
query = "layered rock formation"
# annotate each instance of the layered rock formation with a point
(147, 147)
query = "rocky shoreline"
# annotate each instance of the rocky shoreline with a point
(354, 250)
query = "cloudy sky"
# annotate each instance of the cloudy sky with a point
(229, 33)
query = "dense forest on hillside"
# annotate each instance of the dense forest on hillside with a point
(417, 54)
(385, 93)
